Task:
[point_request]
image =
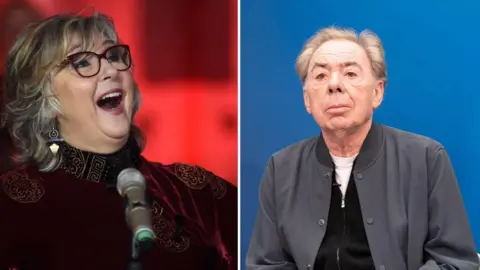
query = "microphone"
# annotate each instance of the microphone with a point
(131, 186)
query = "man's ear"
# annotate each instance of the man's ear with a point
(378, 91)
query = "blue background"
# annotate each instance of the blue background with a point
(433, 58)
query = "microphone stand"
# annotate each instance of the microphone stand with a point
(135, 263)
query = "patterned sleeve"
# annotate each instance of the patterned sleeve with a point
(218, 200)
(225, 196)
(19, 194)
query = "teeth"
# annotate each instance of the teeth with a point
(112, 95)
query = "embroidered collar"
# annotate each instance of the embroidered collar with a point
(97, 167)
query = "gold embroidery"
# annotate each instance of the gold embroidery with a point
(77, 165)
(157, 209)
(219, 188)
(96, 168)
(164, 229)
(19, 187)
(193, 176)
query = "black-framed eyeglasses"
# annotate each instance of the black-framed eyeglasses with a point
(87, 64)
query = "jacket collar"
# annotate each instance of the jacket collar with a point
(369, 151)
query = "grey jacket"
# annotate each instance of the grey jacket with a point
(411, 205)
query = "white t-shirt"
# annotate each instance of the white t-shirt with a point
(343, 170)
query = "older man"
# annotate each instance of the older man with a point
(360, 195)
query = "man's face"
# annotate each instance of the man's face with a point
(340, 89)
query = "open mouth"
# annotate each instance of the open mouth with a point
(111, 100)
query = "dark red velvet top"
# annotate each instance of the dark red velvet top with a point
(6, 148)
(73, 218)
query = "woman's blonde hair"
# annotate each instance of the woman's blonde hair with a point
(31, 107)
(369, 41)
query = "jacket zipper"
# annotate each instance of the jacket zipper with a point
(338, 259)
(344, 230)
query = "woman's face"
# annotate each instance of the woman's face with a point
(96, 111)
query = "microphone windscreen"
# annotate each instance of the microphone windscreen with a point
(128, 178)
